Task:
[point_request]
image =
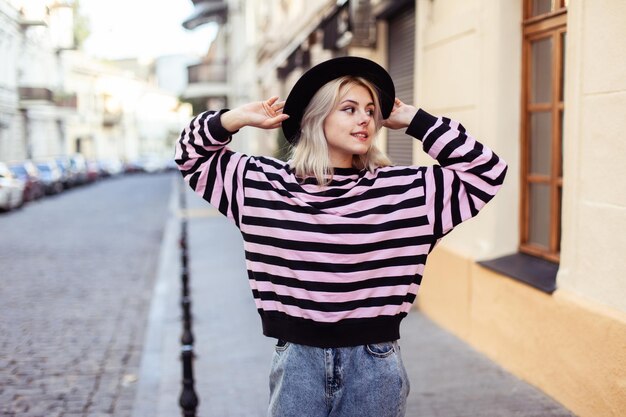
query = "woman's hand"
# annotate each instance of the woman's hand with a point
(401, 115)
(266, 114)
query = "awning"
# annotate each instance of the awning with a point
(386, 8)
(283, 53)
(205, 12)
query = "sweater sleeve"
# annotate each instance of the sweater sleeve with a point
(211, 169)
(468, 175)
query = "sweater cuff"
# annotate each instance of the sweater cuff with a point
(216, 130)
(422, 121)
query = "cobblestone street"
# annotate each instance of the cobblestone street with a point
(77, 272)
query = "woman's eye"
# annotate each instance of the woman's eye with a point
(352, 110)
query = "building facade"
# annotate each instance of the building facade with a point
(547, 297)
(224, 77)
(33, 37)
(121, 113)
(536, 282)
(57, 101)
(11, 130)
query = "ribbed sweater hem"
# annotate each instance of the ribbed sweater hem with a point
(352, 332)
(422, 121)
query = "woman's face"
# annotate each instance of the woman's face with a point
(350, 127)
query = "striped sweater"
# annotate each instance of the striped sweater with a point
(341, 265)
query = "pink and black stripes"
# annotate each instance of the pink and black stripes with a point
(340, 265)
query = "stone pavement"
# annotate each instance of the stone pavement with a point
(448, 378)
(76, 278)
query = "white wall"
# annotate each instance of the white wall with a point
(468, 66)
(594, 193)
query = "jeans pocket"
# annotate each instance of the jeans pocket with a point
(380, 350)
(281, 345)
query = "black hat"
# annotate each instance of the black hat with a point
(311, 81)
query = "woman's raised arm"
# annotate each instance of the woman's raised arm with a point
(266, 114)
(468, 175)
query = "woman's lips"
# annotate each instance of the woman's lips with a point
(362, 136)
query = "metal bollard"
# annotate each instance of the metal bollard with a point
(187, 337)
(188, 400)
(184, 258)
(185, 282)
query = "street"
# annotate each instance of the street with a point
(77, 272)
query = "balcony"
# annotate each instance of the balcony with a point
(42, 95)
(206, 80)
(36, 94)
(207, 73)
(66, 100)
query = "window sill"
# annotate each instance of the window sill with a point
(537, 273)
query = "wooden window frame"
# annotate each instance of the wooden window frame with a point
(558, 7)
(552, 24)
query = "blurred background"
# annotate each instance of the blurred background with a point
(97, 89)
(93, 86)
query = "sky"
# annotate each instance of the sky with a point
(142, 29)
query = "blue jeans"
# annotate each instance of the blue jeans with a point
(363, 381)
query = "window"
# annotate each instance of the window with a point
(543, 53)
(544, 37)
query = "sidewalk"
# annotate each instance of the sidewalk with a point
(448, 378)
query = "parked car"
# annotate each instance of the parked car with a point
(11, 189)
(132, 167)
(67, 177)
(78, 167)
(111, 166)
(50, 176)
(93, 171)
(27, 172)
(151, 164)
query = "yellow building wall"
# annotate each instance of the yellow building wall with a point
(571, 344)
(593, 264)
(571, 349)
(468, 68)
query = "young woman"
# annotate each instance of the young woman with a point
(336, 239)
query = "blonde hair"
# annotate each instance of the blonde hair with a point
(310, 156)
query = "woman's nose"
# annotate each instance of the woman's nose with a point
(365, 119)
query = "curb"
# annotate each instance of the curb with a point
(151, 374)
